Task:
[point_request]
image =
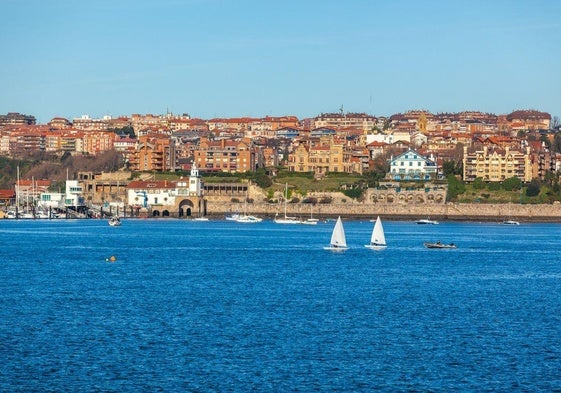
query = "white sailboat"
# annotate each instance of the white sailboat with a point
(509, 220)
(311, 220)
(246, 218)
(378, 238)
(286, 219)
(338, 240)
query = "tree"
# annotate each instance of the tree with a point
(448, 168)
(126, 130)
(556, 146)
(478, 183)
(455, 187)
(512, 184)
(555, 122)
(545, 139)
(533, 188)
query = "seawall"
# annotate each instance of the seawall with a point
(444, 211)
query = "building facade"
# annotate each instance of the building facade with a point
(496, 165)
(411, 165)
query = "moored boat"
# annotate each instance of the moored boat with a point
(439, 245)
(286, 219)
(245, 218)
(426, 221)
(510, 222)
(114, 221)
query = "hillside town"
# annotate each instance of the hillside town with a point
(524, 144)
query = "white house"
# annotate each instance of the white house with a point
(412, 166)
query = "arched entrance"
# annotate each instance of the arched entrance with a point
(186, 208)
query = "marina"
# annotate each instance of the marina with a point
(227, 307)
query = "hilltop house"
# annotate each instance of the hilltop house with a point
(411, 165)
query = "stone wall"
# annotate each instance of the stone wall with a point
(446, 211)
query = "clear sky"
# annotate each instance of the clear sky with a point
(212, 58)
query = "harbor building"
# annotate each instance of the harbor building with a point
(164, 198)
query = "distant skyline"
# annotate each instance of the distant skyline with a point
(64, 58)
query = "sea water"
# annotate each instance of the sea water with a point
(228, 307)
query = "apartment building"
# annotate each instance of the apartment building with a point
(318, 155)
(14, 118)
(225, 155)
(354, 121)
(495, 164)
(153, 153)
(98, 141)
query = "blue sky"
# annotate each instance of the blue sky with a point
(256, 58)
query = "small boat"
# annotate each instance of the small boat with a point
(311, 220)
(200, 219)
(338, 240)
(244, 218)
(427, 221)
(286, 219)
(510, 222)
(114, 221)
(378, 238)
(439, 245)
(41, 214)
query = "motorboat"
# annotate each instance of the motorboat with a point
(114, 221)
(510, 222)
(439, 245)
(426, 221)
(244, 218)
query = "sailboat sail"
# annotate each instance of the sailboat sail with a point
(378, 238)
(338, 239)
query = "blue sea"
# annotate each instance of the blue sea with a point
(221, 306)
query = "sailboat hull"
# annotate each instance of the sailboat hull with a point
(336, 249)
(376, 247)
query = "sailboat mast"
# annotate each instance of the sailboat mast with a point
(285, 197)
